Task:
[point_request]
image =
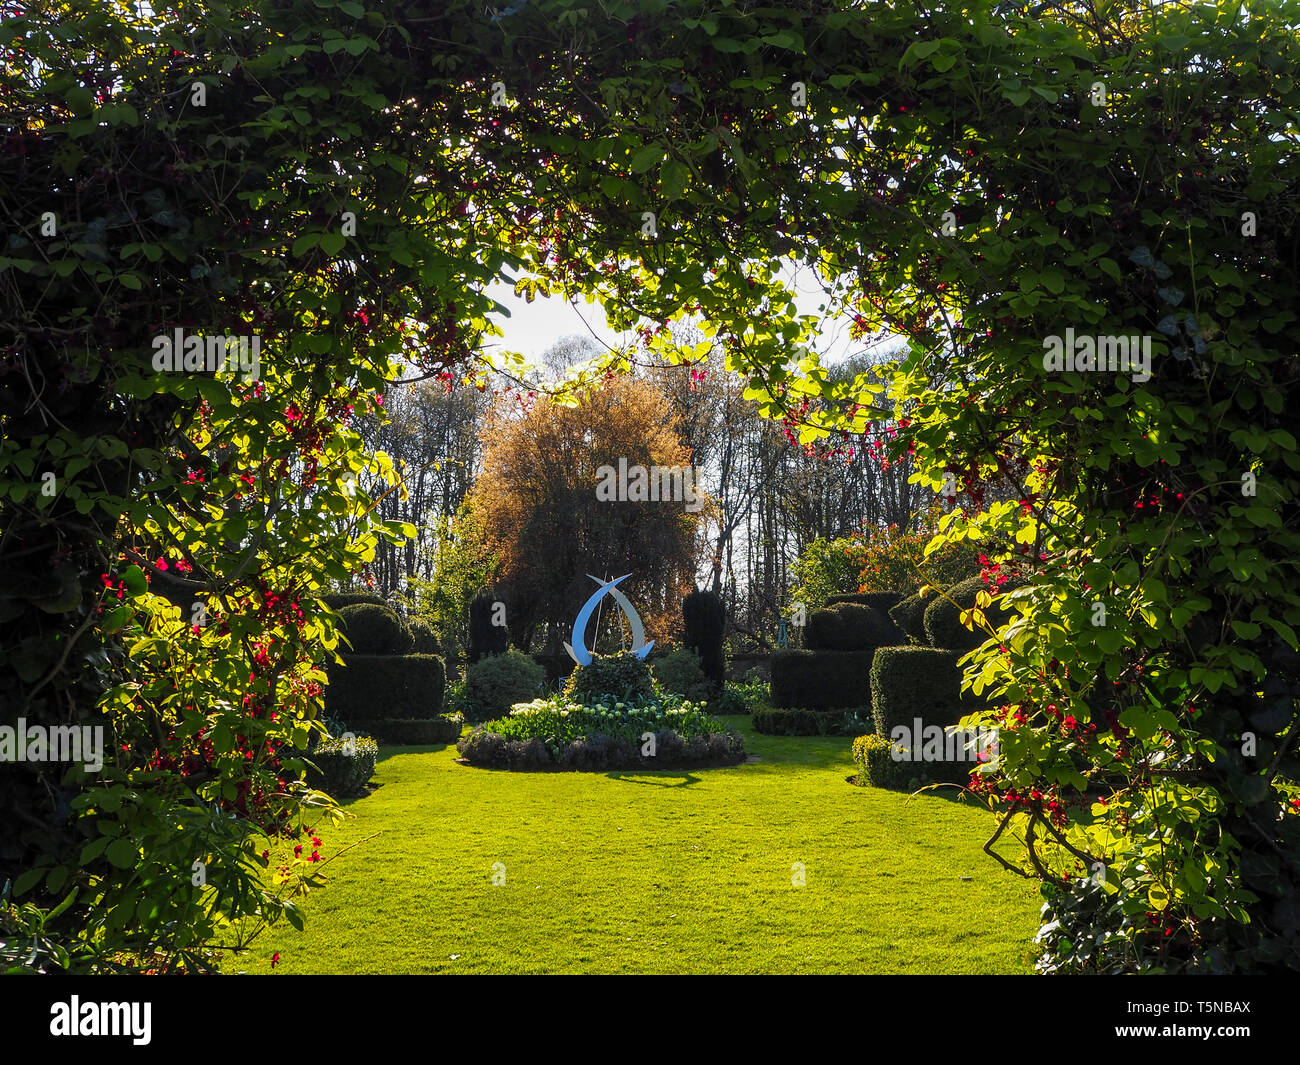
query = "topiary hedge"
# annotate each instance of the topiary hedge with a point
(848, 627)
(915, 682)
(942, 622)
(821, 680)
(812, 722)
(374, 630)
(909, 616)
(338, 600)
(342, 767)
(424, 641)
(882, 601)
(378, 687)
(876, 764)
(705, 619)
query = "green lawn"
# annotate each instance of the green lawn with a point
(668, 872)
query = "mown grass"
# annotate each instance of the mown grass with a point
(664, 872)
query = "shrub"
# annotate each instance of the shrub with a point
(943, 627)
(338, 600)
(496, 682)
(848, 627)
(595, 738)
(882, 601)
(374, 630)
(813, 722)
(679, 673)
(483, 748)
(876, 764)
(915, 682)
(821, 680)
(424, 641)
(730, 701)
(374, 687)
(909, 616)
(342, 767)
(623, 676)
(705, 620)
(417, 732)
(485, 638)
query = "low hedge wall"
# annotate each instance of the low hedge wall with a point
(594, 753)
(378, 687)
(821, 680)
(810, 722)
(342, 767)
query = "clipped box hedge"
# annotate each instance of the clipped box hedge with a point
(805, 722)
(915, 682)
(342, 767)
(385, 687)
(375, 630)
(847, 627)
(821, 680)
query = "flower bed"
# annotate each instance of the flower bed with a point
(557, 733)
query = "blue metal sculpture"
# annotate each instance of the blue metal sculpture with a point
(578, 650)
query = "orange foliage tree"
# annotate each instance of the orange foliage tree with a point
(544, 519)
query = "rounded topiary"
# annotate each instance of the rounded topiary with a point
(372, 629)
(909, 616)
(882, 601)
(679, 673)
(624, 676)
(496, 682)
(424, 641)
(848, 627)
(943, 627)
(338, 600)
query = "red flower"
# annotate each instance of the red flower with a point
(1068, 723)
(275, 959)
(161, 564)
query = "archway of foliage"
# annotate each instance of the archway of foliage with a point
(975, 179)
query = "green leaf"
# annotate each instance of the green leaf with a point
(647, 157)
(672, 177)
(123, 853)
(80, 101)
(26, 881)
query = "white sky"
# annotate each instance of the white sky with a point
(534, 327)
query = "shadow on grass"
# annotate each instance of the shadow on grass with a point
(658, 778)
